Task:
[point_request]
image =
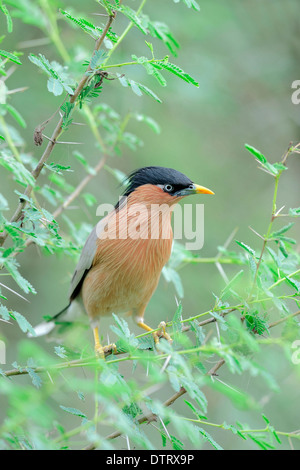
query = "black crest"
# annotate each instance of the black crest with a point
(156, 175)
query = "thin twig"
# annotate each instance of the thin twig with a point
(56, 133)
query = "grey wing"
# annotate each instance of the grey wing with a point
(86, 260)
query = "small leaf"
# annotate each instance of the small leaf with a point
(36, 378)
(54, 86)
(60, 351)
(142, 88)
(10, 56)
(8, 17)
(149, 121)
(228, 287)
(246, 247)
(260, 157)
(172, 68)
(23, 323)
(73, 411)
(282, 230)
(51, 71)
(132, 16)
(295, 212)
(15, 114)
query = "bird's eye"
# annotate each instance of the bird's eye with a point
(168, 188)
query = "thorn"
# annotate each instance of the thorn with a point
(256, 233)
(16, 90)
(279, 210)
(60, 142)
(9, 72)
(165, 364)
(222, 272)
(11, 290)
(231, 237)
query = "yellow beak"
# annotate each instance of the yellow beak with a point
(201, 190)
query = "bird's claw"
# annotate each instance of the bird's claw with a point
(102, 351)
(161, 333)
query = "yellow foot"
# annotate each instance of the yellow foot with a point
(161, 333)
(102, 351)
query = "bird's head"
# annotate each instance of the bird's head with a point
(160, 185)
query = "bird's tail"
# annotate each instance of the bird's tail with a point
(48, 325)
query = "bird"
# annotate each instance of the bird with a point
(122, 259)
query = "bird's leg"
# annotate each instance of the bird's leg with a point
(164, 334)
(99, 349)
(156, 334)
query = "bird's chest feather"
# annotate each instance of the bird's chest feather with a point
(125, 273)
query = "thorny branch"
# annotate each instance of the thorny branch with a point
(57, 131)
(93, 360)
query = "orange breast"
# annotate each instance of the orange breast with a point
(131, 253)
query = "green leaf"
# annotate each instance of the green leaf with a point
(8, 17)
(190, 4)
(138, 88)
(89, 28)
(55, 86)
(262, 444)
(273, 170)
(49, 69)
(4, 313)
(10, 56)
(12, 267)
(89, 199)
(19, 171)
(172, 68)
(295, 212)
(81, 158)
(149, 121)
(15, 114)
(151, 70)
(161, 30)
(230, 284)
(3, 203)
(132, 16)
(176, 443)
(36, 378)
(120, 176)
(256, 323)
(209, 439)
(97, 59)
(260, 157)
(56, 168)
(295, 284)
(73, 411)
(60, 351)
(284, 229)
(246, 247)
(23, 323)
(122, 330)
(172, 276)
(82, 23)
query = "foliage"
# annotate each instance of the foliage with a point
(126, 387)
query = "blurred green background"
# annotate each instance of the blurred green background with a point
(245, 56)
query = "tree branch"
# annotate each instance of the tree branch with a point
(57, 131)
